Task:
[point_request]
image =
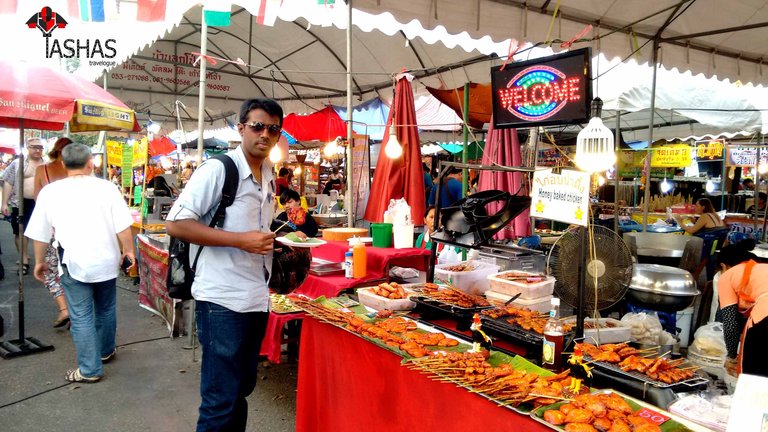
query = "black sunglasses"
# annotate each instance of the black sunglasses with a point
(259, 127)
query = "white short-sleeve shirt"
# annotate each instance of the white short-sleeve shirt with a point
(228, 276)
(87, 213)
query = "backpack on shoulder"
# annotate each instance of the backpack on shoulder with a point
(181, 270)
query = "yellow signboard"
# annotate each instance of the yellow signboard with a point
(709, 149)
(114, 153)
(562, 197)
(673, 156)
(140, 152)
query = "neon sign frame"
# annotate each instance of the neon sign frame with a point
(546, 91)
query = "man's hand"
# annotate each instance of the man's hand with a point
(257, 242)
(131, 257)
(5, 211)
(40, 269)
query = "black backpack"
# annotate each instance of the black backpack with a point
(181, 273)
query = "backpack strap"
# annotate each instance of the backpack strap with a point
(228, 192)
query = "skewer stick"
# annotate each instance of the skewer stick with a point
(549, 397)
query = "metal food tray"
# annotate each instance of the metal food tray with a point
(511, 330)
(692, 382)
(463, 316)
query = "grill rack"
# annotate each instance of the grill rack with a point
(692, 382)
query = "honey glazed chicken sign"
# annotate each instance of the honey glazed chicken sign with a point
(561, 197)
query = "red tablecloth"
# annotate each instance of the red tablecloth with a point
(273, 338)
(349, 384)
(377, 258)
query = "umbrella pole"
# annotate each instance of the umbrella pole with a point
(23, 345)
(350, 138)
(617, 176)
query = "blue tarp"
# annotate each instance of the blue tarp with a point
(372, 112)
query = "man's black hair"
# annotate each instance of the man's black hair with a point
(288, 195)
(267, 105)
(762, 196)
(283, 172)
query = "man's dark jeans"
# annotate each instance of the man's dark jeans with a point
(231, 342)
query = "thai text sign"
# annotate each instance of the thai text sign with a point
(552, 90)
(746, 156)
(673, 156)
(709, 149)
(114, 153)
(561, 197)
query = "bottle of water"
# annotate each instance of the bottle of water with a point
(348, 266)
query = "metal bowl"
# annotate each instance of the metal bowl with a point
(662, 288)
(330, 219)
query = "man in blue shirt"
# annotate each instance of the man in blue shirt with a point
(451, 191)
(428, 183)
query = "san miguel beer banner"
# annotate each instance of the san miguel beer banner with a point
(545, 91)
(561, 197)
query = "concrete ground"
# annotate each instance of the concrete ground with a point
(152, 385)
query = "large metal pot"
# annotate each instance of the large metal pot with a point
(330, 219)
(662, 288)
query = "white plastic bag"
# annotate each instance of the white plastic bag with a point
(645, 328)
(448, 256)
(709, 340)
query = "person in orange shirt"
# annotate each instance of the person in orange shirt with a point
(743, 290)
(153, 171)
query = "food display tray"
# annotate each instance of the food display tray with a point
(502, 328)
(427, 306)
(614, 368)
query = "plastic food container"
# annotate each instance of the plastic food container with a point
(373, 301)
(474, 281)
(541, 305)
(711, 364)
(527, 291)
(617, 333)
(382, 235)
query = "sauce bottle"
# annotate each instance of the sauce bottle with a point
(348, 265)
(552, 348)
(360, 259)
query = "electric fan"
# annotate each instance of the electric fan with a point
(612, 265)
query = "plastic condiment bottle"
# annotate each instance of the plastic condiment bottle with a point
(360, 259)
(348, 265)
(552, 348)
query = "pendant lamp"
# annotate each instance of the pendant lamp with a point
(595, 150)
(393, 149)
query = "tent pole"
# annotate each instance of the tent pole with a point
(755, 218)
(201, 97)
(103, 138)
(465, 132)
(350, 139)
(647, 198)
(617, 175)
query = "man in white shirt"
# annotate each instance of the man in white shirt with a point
(89, 217)
(230, 286)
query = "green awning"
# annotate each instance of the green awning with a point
(475, 149)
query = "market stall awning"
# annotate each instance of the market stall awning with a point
(480, 105)
(323, 125)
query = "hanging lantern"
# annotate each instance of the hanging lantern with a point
(275, 155)
(331, 149)
(595, 150)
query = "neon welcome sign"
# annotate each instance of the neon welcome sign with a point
(553, 90)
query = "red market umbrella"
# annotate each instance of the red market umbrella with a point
(37, 97)
(402, 177)
(161, 146)
(480, 103)
(502, 147)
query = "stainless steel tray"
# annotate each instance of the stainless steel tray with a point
(692, 382)
(326, 269)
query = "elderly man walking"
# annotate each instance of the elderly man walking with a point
(89, 216)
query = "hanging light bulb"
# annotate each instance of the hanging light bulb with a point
(665, 186)
(97, 160)
(153, 127)
(297, 171)
(710, 186)
(600, 180)
(331, 149)
(762, 168)
(393, 149)
(275, 155)
(595, 151)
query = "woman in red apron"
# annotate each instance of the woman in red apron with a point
(743, 291)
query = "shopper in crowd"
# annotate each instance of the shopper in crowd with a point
(298, 219)
(88, 231)
(748, 184)
(230, 284)
(334, 181)
(743, 291)
(708, 218)
(283, 182)
(428, 184)
(186, 173)
(11, 195)
(451, 190)
(46, 174)
(759, 208)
